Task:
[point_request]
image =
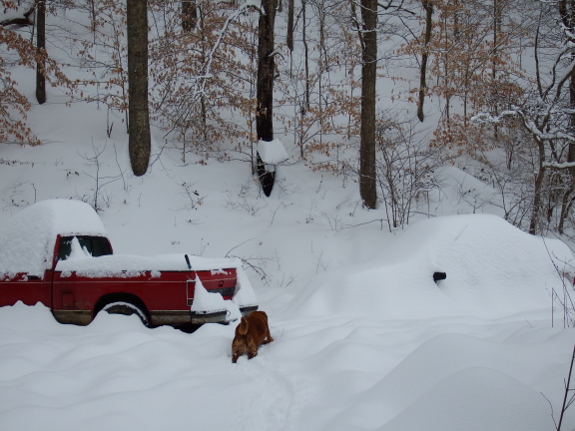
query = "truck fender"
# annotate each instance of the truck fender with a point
(123, 304)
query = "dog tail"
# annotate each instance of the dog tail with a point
(243, 326)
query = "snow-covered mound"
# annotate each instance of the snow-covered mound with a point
(493, 269)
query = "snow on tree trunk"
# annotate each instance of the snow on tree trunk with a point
(265, 88)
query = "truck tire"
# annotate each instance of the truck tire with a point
(127, 308)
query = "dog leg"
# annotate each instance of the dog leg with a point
(252, 349)
(268, 338)
(238, 348)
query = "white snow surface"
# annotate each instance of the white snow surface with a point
(370, 344)
(491, 267)
(363, 338)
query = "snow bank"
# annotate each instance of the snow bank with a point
(451, 405)
(493, 269)
(27, 240)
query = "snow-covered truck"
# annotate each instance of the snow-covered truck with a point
(57, 252)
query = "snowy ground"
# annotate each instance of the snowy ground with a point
(364, 339)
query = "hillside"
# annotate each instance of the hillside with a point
(364, 339)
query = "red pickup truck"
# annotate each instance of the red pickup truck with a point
(56, 252)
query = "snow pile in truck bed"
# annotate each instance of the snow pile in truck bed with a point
(116, 264)
(27, 241)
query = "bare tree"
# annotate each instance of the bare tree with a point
(139, 117)
(405, 168)
(367, 175)
(41, 47)
(545, 113)
(265, 88)
(567, 13)
(428, 7)
(290, 25)
(15, 104)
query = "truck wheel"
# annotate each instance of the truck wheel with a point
(127, 308)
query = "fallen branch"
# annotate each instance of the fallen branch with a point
(26, 19)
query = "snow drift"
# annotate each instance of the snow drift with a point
(492, 269)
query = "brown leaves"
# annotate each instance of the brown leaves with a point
(459, 135)
(472, 52)
(204, 75)
(14, 105)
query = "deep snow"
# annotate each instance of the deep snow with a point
(364, 339)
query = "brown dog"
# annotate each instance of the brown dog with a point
(251, 333)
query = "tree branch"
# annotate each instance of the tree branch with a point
(24, 20)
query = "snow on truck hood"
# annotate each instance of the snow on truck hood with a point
(27, 240)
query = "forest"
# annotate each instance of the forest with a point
(384, 92)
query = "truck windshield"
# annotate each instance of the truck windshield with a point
(96, 246)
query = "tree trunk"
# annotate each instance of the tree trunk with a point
(306, 53)
(367, 177)
(538, 189)
(305, 104)
(189, 15)
(41, 47)
(568, 19)
(265, 88)
(428, 6)
(93, 14)
(496, 29)
(569, 194)
(139, 118)
(290, 25)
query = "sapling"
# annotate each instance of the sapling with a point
(98, 200)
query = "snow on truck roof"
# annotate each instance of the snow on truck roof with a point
(27, 240)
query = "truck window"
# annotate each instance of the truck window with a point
(96, 246)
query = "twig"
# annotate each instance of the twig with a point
(566, 403)
(237, 246)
